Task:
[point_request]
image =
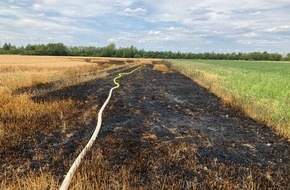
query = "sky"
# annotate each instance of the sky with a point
(162, 25)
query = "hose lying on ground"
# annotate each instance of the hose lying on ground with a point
(67, 180)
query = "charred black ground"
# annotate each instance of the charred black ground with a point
(151, 112)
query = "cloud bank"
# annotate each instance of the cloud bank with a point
(186, 25)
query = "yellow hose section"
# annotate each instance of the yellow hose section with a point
(120, 75)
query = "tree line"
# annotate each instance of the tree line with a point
(59, 49)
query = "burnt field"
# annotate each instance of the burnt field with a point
(160, 131)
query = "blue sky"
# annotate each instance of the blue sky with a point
(184, 25)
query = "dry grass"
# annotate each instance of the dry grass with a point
(32, 181)
(19, 114)
(179, 167)
(23, 71)
(146, 62)
(149, 136)
(21, 117)
(1, 130)
(160, 67)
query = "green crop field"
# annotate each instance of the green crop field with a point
(260, 89)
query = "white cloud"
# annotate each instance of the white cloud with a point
(276, 29)
(257, 42)
(250, 34)
(154, 32)
(38, 7)
(142, 41)
(137, 11)
(80, 8)
(112, 40)
(257, 13)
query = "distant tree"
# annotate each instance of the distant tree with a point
(57, 49)
(6, 46)
(14, 50)
(40, 49)
(178, 55)
(141, 52)
(126, 52)
(89, 51)
(275, 57)
(137, 56)
(134, 51)
(265, 56)
(60, 49)
(2, 51)
(74, 51)
(111, 50)
(287, 58)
